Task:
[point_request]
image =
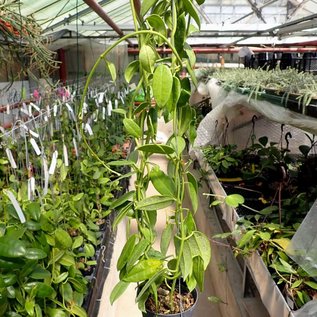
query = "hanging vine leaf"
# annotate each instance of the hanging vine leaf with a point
(162, 85)
(155, 202)
(162, 182)
(112, 70)
(143, 270)
(158, 25)
(192, 11)
(131, 69)
(118, 290)
(146, 6)
(132, 127)
(174, 97)
(156, 148)
(147, 58)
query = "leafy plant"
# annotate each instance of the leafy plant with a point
(161, 81)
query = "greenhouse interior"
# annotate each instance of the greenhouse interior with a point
(124, 126)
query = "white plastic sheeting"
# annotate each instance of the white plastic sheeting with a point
(230, 121)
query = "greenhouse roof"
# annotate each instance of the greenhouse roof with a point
(224, 22)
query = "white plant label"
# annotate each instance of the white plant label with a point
(11, 158)
(88, 129)
(116, 104)
(65, 154)
(109, 108)
(46, 176)
(15, 205)
(46, 118)
(103, 113)
(55, 110)
(31, 188)
(51, 170)
(48, 111)
(35, 107)
(30, 110)
(101, 97)
(122, 100)
(35, 146)
(8, 109)
(34, 134)
(85, 107)
(24, 111)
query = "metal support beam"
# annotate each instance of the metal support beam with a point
(256, 10)
(100, 11)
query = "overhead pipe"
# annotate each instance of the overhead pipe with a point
(211, 50)
(101, 12)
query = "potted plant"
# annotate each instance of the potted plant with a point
(160, 276)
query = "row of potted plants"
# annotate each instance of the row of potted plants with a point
(54, 207)
(272, 190)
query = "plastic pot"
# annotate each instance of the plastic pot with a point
(187, 313)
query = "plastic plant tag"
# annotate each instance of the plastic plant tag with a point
(51, 170)
(109, 108)
(11, 158)
(31, 188)
(48, 111)
(55, 110)
(116, 103)
(30, 110)
(35, 146)
(303, 246)
(101, 97)
(8, 109)
(15, 204)
(24, 111)
(46, 176)
(65, 155)
(34, 134)
(122, 100)
(88, 129)
(71, 111)
(103, 113)
(85, 107)
(35, 106)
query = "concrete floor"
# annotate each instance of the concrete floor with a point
(125, 305)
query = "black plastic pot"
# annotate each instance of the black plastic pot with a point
(187, 313)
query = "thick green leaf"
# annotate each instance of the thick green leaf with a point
(78, 197)
(56, 312)
(132, 128)
(40, 273)
(265, 236)
(126, 252)
(35, 254)
(162, 182)
(131, 69)
(120, 111)
(162, 85)
(200, 246)
(122, 199)
(34, 210)
(234, 200)
(78, 241)
(60, 278)
(180, 34)
(78, 311)
(311, 284)
(192, 11)
(43, 290)
(118, 290)
(12, 248)
(268, 210)
(200, 2)
(137, 252)
(178, 144)
(176, 92)
(184, 120)
(67, 292)
(121, 163)
(158, 25)
(146, 6)
(155, 202)
(156, 148)
(166, 238)
(147, 58)
(193, 195)
(198, 271)
(112, 69)
(67, 260)
(186, 262)
(143, 270)
(63, 238)
(190, 54)
(246, 238)
(122, 213)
